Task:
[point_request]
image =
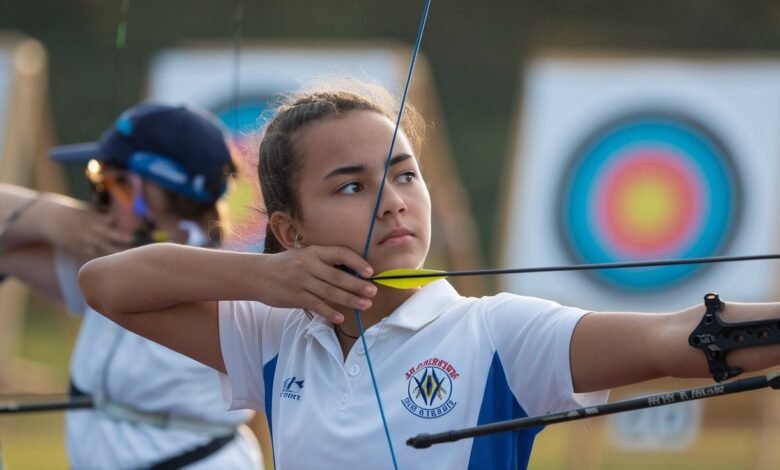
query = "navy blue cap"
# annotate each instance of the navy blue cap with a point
(180, 149)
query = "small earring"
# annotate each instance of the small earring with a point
(298, 238)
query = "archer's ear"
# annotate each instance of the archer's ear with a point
(283, 227)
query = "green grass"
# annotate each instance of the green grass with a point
(571, 446)
(36, 440)
(737, 432)
(33, 441)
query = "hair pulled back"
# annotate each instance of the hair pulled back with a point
(279, 161)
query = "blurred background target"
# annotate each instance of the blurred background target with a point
(244, 121)
(649, 186)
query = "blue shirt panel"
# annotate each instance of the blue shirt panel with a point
(508, 450)
(269, 370)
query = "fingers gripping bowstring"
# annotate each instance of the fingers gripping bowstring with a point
(373, 220)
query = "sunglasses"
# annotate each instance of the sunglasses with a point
(107, 185)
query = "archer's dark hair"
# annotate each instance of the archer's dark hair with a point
(279, 161)
(207, 213)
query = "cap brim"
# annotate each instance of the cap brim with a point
(76, 152)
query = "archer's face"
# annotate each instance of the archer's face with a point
(342, 162)
(120, 191)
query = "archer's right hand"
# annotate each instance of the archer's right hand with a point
(310, 278)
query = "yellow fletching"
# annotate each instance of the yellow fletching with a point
(400, 282)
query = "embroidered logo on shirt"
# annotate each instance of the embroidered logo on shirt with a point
(292, 388)
(430, 388)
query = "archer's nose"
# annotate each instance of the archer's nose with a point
(392, 202)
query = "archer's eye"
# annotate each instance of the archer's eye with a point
(406, 177)
(351, 188)
(124, 181)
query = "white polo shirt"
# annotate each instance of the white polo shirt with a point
(145, 376)
(442, 362)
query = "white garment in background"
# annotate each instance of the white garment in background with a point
(141, 374)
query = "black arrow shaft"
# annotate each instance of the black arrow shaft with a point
(587, 267)
(422, 441)
(58, 405)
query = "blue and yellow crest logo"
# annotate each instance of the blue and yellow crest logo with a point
(430, 390)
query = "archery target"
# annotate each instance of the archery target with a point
(621, 157)
(645, 187)
(243, 118)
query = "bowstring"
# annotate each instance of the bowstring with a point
(361, 331)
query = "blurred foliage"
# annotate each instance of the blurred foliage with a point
(476, 50)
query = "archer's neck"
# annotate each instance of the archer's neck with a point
(386, 301)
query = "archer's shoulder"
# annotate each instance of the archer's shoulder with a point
(257, 312)
(519, 303)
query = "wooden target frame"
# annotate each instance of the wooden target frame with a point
(25, 137)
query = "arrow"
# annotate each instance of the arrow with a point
(425, 440)
(57, 405)
(413, 278)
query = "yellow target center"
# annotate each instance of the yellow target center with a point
(647, 207)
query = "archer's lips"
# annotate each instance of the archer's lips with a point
(398, 235)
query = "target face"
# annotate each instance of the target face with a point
(645, 187)
(244, 122)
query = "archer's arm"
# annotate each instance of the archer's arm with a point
(169, 293)
(615, 349)
(33, 224)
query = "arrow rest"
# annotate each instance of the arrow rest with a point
(717, 338)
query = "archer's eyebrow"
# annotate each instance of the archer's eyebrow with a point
(352, 169)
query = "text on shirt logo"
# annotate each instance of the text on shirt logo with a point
(292, 388)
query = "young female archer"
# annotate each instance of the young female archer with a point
(279, 326)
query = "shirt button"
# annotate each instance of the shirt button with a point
(361, 350)
(344, 398)
(354, 370)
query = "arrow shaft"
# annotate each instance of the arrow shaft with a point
(58, 405)
(586, 267)
(423, 441)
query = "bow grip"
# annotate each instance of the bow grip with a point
(717, 338)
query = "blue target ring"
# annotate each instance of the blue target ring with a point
(649, 186)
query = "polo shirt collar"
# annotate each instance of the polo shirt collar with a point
(426, 305)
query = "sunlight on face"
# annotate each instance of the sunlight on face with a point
(342, 163)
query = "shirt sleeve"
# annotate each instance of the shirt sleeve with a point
(250, 334)
(67, 268)
(533, 339)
